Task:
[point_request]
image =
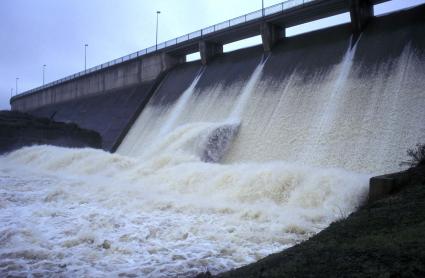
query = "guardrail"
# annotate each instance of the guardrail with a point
(194, 35)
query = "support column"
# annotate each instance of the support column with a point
(169, 61)
(209, 50)
(270, 34)
(360, 12)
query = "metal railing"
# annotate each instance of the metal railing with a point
(194, 35)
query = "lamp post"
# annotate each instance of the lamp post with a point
(85, 57)
(156, 40)
(262, 7)
(11, 92)
(44, 69)
(16, 86)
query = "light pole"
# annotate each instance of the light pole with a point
(262, 7)
(44, 68)
(156, 40)
(85, 57)
(11, 92)
(16, 86)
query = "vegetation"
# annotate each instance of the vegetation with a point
(417, 156)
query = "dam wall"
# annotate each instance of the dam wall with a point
(109, 114)
(118, 77)
(320, 99)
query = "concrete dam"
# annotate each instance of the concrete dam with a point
(217, 163)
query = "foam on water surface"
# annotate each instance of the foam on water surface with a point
(172, 215)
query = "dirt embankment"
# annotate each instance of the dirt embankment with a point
(385, 238)
(19, 129)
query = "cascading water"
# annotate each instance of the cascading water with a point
(374, 116)
(218, 140)
(314, 147)
(159, 208)
(248, 90)
(181, 103)
(172, 116)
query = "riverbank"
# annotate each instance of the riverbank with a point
(382, 239)
(20, 129)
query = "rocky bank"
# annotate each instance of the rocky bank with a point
(19, 129)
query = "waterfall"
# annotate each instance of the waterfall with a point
(314, 147)
(178, 109)
(247, 91)
(220, 139)
(208, 140)
(336, 117)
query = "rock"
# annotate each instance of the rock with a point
(178, 257)
(106, 244)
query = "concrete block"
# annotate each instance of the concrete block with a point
(383, 186)
(170, 61)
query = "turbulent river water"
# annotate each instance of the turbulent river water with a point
(170, 216)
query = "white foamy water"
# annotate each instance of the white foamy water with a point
(180, 105)
(170, 216)
(358, 117)
(247, 91)
(375, 115)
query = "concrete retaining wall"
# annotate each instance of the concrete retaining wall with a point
(385, 185)
(133, 72)
(109, 114)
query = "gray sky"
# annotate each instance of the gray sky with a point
(53, 32)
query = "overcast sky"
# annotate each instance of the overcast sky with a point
(53, 32)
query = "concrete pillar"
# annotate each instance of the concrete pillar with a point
(209, 50)
(270, 34)
(153, 65)
(360, 12)
(168, 61)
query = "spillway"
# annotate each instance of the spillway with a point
(227, 163)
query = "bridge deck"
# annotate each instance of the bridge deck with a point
(287, 14)
(304, 13)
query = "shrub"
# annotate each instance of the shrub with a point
(417, 156)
